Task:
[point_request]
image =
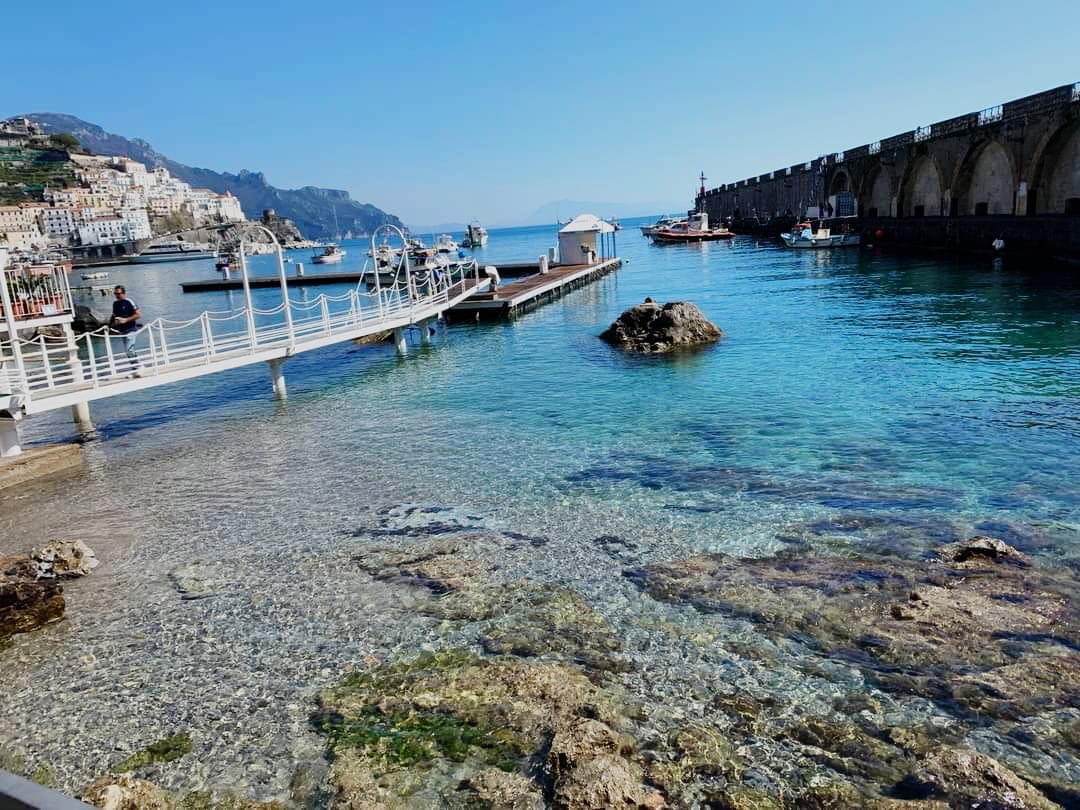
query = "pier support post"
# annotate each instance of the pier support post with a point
(277, 377)
(425, 332)
(399, 341)
(80, 413)
(9, 437)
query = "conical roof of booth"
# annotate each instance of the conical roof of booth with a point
(587, 223)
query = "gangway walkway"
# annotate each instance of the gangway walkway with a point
(45, 373)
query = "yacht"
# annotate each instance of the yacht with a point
(176, 250)
(693, 229)
(476, 236)
(331, 254)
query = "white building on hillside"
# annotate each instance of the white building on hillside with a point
(57, 222)
(108, 230)
(137, 221)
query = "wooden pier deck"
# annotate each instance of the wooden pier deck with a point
(511, 300)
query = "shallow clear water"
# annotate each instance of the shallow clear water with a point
(931, 398)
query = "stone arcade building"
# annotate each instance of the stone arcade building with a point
(1011, 171)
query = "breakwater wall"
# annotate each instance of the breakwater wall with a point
(1012, 170)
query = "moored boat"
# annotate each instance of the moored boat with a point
(803, 235)
(331, 254)
(476, 236)
(694, 229)
(663, 222)
(445, 244)
(176, 250)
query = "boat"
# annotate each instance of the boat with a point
(94, 276)
(445, 244)
(803, 235)
(176, 250)
(694, 229)
(226, 259)
(476, 236)
(331, 254)
(663, 222)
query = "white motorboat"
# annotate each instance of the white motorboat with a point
(176, 250)
(94, 276)
(662, 224)
(445, 244)
(331, 254)
(476, 236)
(803, 235)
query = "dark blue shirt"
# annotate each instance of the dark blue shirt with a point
(124, 308)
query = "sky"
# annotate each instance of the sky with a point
(447, 112)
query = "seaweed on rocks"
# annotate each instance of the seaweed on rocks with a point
(438, 728)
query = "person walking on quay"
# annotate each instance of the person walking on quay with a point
(124, 321)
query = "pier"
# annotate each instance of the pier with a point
(1009, 171)
(47, 372)
(511, 300)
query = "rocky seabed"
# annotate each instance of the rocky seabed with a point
(429, 657)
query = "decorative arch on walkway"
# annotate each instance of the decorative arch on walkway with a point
(877, 192)
(985, 181)
(1057, 172)
(920, 195)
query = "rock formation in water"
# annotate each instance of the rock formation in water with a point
(30, 592)
(652, 328)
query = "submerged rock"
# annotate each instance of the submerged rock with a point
(128, 793)
(435, 728)
(970, 779)
(652, 328)
(26, 602)
(976, 629)
(64, 559)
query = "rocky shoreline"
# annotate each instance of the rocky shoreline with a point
(932, 680)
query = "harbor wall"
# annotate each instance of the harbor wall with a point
(1012, 170)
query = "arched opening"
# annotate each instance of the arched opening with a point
(841, 202)
(985, 183)
(1058, 189)
(922, 191)
(878, 193)
(121, 250)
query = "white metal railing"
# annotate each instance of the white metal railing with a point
(35, 291)
(990, 115)
(874, 148)
(46, 365)
(923, 133)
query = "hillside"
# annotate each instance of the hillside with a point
(311, 208)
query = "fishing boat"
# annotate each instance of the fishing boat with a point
(476, 236)
(695, 229)
(331, 254)
(176, 250)
(803, 235)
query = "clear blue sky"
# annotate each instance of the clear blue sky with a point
(446, 112)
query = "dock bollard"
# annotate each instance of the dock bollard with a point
(299, 269)
(543, 265)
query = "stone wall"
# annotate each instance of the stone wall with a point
(1016, 160)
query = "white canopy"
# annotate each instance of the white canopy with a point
(587, 223)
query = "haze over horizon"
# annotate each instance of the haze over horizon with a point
(493, 112)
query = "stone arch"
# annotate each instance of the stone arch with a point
(839, 182)
(1057, 172)
(877, 192)
(985, 182)
(920, 194)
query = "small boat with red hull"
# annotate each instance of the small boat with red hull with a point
(695, 229)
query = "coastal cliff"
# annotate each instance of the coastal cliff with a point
(312, 209)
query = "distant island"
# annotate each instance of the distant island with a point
(313, 209)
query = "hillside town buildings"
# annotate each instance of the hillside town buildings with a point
(116, 200)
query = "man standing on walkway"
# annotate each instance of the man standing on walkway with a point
(124, 321)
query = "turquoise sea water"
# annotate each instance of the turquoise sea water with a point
(859, 403)
(848, 381)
